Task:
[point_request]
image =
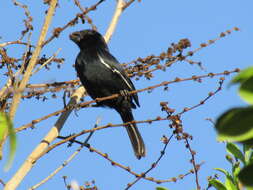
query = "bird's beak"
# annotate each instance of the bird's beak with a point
(75, 37)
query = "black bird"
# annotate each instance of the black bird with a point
(102, 75)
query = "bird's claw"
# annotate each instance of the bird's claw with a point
(125, 94)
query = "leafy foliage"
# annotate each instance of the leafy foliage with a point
(241, 169)
(6, 126)
(161, 188)
(236, 125)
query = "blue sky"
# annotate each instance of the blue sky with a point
(145, 28)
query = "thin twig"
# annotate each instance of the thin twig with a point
(14, 42)
(52, 134)
(195, 166)
(153, 165)
(58, 30)
(26, 56)
(78, 4)
(66, 162)
(27, 21)
(21, 173)
(127, 4)
(203, 101)
(175, 59)
(54, 84)
(70, 138)
(169, 117)
(5, 91)
(47, 62)
(128, 169)
(27, 74)
(85, 104)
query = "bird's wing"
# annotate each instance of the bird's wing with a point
(111, 63)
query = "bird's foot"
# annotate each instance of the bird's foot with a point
(125, 94)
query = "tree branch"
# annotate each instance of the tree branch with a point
(18, 177)
(115, 19)
(66, 162)
(36, 53)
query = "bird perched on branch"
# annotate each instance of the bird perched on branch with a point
(102, 75)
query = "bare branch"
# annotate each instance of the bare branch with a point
(53, 133)
(193, 161)
(13, 42)
(153, 165)
(27, 21)
(5, 92)
(129, 170)
(58, 30)
(47, 62)
(65, 162)
(18, 177)
(78, 4)
(21, 87)
(127, 4)
(118, 11)
(165, 83)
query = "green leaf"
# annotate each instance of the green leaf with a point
(222, 171)
(235, 124)
(246, 175)
(243, 76)
(247, 149)
(161, 188)
(229, 183)
(7, 126)
(3, 125)
(235, 170)
(217, 184)
(246, 91)
(251, 158)
(235, 150)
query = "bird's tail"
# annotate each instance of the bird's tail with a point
(134, 134)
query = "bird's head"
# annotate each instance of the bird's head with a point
(88, 39)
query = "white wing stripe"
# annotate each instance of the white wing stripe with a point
(103, 62)
(115, 71)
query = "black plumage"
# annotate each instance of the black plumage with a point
(102, 75)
